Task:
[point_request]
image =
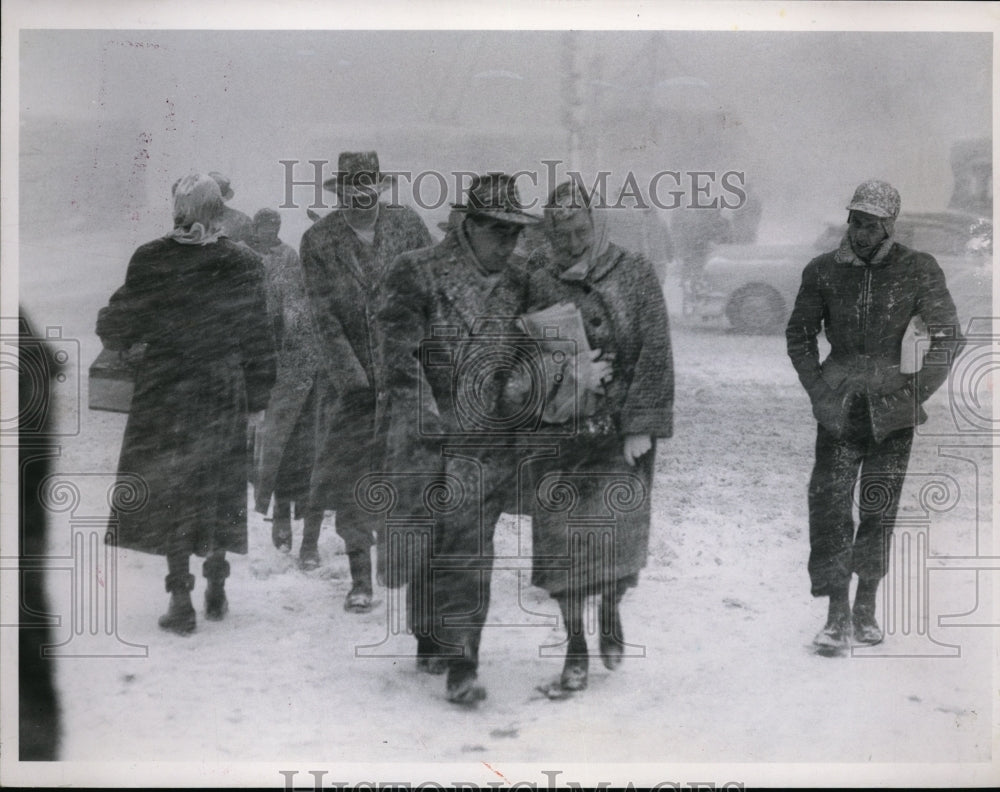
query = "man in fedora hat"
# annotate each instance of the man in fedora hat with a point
(864, 295)
(442, 305)
(235, 224)
(345, 257)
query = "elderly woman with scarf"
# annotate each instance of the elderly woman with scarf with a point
(590, 505)
(193, 312)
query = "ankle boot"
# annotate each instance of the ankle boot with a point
(359, 598)
(215, 570)
(866, 629)
(180, 615)
(836, 634)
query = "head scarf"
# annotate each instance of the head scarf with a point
(568, 199)
(197, 210)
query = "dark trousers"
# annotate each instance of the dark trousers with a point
(835, 550)
(449, 596)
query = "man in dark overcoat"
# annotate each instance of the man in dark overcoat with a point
(868, 296)
(345, 257)
(444, 319)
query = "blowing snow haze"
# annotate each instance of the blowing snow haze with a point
(109, 119)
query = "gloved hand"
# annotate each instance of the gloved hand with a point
(636, 446)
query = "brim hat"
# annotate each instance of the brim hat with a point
(223, 182)
(877, 198)
(494, 195)
(358, 171)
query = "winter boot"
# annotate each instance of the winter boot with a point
(216, 570)
(180, 615)
(835, 636)
(866, 629)
(359, 598)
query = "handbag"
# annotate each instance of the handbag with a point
(111, 380)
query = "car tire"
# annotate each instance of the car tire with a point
(756, 309)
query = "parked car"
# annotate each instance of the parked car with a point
(754, 286)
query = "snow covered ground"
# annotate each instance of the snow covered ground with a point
(721, 622)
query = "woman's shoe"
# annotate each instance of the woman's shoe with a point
(359, 599)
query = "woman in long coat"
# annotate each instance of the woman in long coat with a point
(195, 302)
(590, 506)
(286, 443)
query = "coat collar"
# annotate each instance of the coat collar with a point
(459, 280)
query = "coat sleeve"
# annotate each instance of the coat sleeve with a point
(256, 340)
(120, 324)
(803, 328)
(404, 320)
(336, 353)
(937, 308)
(649, 404)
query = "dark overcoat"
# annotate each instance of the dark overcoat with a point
(864, 311)
(344, 278)
(590, 509)
(286, 441)
(209, 360)
(439, 312)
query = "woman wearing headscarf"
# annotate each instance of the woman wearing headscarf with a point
(590, 505)
(192, 314)
(286, 442)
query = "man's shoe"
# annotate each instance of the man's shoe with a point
(281, 534)
(434, 666)
(834, 637)
(309, 559)
(463, 688)
(866, 629)
(359, 599)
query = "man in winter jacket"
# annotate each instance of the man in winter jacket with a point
(865, 296)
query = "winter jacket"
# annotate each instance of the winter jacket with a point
(864, 311)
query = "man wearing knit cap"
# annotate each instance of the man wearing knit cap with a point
(867, 296)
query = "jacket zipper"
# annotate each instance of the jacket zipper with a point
(866, 293)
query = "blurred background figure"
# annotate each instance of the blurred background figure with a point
(345, 257)
(285, 443)
(234, 224)
(38, 704)
(695, 232)
(196, 300)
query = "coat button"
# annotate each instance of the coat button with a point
(596, 321)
